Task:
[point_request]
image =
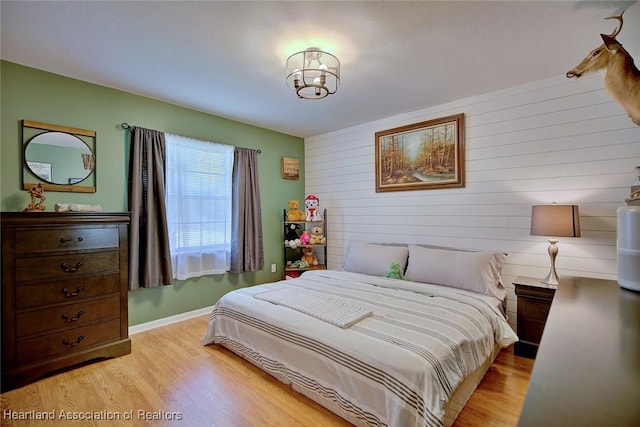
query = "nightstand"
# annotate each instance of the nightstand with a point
(534, 303)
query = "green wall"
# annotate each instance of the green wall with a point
(32, 94)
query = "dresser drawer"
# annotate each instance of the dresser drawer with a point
(64, 239)
(28, 296)
(66, 316)
(60, 343)
(536, 310)
(66, 266)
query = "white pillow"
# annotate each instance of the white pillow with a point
(472, 271)
(372, 259)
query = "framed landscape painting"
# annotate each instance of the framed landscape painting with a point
(422, 156)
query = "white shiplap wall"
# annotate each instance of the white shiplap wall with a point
(555, 140)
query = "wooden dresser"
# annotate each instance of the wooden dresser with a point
(64, 291)
(587, 371)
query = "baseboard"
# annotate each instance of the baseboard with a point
(168, 320)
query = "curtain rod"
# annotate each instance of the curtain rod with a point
(125, 125)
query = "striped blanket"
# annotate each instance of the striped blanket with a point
(396, 367)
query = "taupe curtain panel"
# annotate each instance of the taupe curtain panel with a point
(246, 223)
(149, 257)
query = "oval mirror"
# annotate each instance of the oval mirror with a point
(59, 158)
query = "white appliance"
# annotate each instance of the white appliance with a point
(629, 247)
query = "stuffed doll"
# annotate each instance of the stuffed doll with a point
(294, 213)
(308, 256)
(312, 208)
(299, 264)
(394, 272)
(305, 238)
(291, 236)
(317, 237)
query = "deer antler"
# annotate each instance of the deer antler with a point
(617, 30)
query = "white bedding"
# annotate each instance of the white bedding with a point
(397, 367)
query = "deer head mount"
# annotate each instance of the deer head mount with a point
(621, 77)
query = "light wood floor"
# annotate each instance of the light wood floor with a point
(172, 377)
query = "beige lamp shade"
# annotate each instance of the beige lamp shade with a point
(555, 220)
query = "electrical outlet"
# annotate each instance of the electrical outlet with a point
(273, 268)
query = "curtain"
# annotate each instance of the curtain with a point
(199, 182)
(149, 258)
(246, 224)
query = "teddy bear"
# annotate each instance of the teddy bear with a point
(294, 213)
(312, 208)
(291, 236)
(317, 237)
(309, 257)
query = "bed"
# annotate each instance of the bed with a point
(374, 350)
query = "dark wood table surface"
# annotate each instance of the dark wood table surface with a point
(587, 371)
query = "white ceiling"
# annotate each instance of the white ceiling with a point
(227, 57)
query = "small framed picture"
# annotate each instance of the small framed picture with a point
(290, 168)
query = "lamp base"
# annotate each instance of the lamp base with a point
(552, 278)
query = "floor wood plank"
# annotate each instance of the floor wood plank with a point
(170, 379)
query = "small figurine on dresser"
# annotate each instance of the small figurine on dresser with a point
(36, 192)
(634, 198)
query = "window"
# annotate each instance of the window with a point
(198, 203)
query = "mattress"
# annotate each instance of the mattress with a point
(373, 350)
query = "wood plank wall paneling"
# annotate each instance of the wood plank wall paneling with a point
(556, 140)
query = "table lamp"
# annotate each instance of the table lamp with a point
(556, 221)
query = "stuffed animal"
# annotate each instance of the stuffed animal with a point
(305, 238)
(291, 236)
(308, 256)
(312, 208)
(317, 237)
(294, 213)
(299, 264)
(394, 272)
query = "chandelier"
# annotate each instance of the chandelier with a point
(313, 74)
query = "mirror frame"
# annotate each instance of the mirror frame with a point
(28, 176)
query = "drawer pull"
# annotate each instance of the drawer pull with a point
(68, 319)
(65, 240)
(67, 293)
(73, 344)
(69, 269)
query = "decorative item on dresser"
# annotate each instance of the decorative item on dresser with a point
(534, 303)
(64, 291)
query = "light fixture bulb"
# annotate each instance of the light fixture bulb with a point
(323, 67)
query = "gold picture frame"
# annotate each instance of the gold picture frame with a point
(422, 156)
